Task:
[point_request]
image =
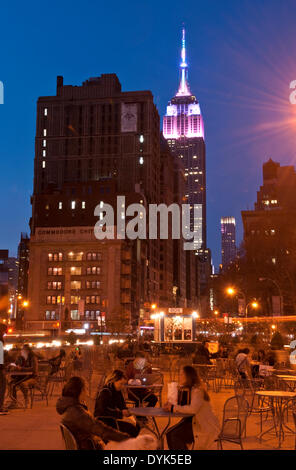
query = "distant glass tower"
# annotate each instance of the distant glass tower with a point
(228, 241)
(184, 130)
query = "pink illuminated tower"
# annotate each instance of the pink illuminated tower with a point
(184, 131)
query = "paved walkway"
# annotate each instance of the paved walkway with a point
(38, 429)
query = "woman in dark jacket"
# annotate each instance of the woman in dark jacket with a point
(89, 433)
(110, 405)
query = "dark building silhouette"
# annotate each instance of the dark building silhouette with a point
(269, 235)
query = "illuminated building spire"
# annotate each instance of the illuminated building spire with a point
(183, 86)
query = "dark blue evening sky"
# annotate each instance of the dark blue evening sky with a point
(241, 58)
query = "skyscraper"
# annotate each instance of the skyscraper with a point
(228, 241)
(183, 129)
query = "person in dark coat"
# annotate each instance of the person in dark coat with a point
(202, 354)
(111, 406)
(90, 434)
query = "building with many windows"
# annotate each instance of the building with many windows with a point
(228, 241)
(94, 143)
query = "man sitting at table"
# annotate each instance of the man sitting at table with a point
(26, 362)
(137, 369)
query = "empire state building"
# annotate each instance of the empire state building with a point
(184, 131)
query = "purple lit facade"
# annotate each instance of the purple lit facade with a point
(183, 129)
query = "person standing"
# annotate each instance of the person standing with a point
(3, 330)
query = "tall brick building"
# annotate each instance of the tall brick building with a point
(93, 143)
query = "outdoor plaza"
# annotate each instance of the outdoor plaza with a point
(254, 414)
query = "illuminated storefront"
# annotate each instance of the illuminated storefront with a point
(175, 325)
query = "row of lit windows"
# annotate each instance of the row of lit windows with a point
(93, 256)
(57, 299)
(75, 271)
(89, 315)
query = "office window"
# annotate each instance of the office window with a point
(83, 204)
(45, 111)
(55, 271)
(75, 271)
(75, 285)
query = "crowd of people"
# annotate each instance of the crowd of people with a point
(111, 420)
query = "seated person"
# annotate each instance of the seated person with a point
(242, 363)
(193, 399)
(26, 362)
(110, 402)
(56, 362)
(137, 369)
(202, 354)
(90, 434)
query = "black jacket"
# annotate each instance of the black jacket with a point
(83, 426)
(110, 402)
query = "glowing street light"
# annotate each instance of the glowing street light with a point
(25, 303)
(230, 291)
(195, 315)
(153, 306)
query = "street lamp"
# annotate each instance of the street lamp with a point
(253, 304)
(230, 291)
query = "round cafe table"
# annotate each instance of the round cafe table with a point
(278, 400)
(154, 413)
(290, 380)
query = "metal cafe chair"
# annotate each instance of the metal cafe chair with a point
(68, 438)
(234, 420)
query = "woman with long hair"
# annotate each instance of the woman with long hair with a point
(203, 427)
(110, 405)
(89, 433)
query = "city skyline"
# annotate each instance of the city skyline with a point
(237, 143)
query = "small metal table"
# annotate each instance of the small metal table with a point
(154, 413)
(278, 399)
